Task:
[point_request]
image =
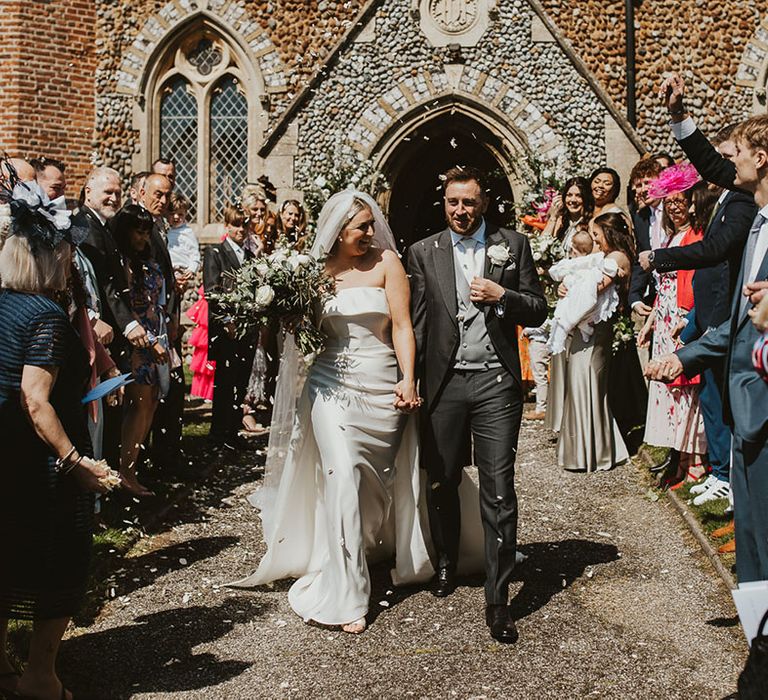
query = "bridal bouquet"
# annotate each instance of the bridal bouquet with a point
(286, 287)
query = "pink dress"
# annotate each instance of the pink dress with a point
(202, 368)
(674, 416)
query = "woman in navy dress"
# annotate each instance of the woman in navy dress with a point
(47, 478)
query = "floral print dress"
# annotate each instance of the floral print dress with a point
(674, 416)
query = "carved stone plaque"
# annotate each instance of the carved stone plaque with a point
(461, 22)
(454, 16)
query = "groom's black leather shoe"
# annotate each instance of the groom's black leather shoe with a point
(445, 583)
(502, 626)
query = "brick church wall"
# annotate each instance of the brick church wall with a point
(47, 65)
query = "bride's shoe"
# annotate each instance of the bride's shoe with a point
(356, 627)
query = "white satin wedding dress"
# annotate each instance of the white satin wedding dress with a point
(350, 489)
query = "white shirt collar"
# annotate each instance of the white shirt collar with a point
(237, 248)
(478, 235)
(101, 219)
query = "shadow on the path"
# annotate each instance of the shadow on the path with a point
(156, 654)
(552, 567)
(132, 573)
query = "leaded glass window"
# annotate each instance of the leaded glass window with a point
(178, 136)
(228, 170)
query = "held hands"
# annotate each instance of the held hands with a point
(666, 369)
(407, 399)
(562, 290)
(484, 291)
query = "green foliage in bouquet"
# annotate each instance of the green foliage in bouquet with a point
(286, 287)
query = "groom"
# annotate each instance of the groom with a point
(471, 286)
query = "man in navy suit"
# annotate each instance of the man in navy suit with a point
(745, 398)
(717, 261)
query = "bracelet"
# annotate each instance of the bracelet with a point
(59, 464)
(74, 464)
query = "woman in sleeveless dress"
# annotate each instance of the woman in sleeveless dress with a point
(342, 484)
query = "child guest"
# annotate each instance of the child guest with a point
(233, 357)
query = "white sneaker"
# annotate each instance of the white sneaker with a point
(704, 485)
(719, 489)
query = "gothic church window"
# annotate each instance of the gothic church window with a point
(201, 98)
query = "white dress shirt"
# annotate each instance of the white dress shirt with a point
(471, 262)
(761, 248)
(238, 250)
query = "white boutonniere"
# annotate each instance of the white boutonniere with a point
(498, 254)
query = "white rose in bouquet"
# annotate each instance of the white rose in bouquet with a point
(264, 296)
(300, 260)
(262, 269)
(278, 257)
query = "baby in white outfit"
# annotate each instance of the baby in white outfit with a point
(582, 306)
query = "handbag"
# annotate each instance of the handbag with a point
(753, 680)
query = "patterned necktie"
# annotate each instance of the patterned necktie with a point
(754, 234)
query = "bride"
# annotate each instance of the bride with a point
(342, 482)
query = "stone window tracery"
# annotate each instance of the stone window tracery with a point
(200, 104)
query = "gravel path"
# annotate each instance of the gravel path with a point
(615, 601)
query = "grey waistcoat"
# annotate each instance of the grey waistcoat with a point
(475, 348)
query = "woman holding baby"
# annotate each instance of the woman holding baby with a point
(600, 266)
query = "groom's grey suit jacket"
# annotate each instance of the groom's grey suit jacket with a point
(434, 304)
(745, 400)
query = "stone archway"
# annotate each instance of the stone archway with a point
(414, 165)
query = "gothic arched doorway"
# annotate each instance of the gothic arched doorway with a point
(415, 164)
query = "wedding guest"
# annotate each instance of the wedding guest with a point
(233, 356)
(261, 221)
(22, 169)
(48, 478)
(137, 183)
(589, 437)
(132, 229)
(203, 369)
(167, 167)
(574, 204)
(115, 325)
(539, 355)
(605, 184)
(292, 224)
(261, 384)
(665, 160)
(571, 209)
(49, 174)
(182, 241)
(648, 234)
(745, 398)
(674, 417)
(167, 426)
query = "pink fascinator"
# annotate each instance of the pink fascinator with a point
(676, 178)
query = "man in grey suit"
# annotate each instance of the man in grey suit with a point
(471, 286)
(745, 399)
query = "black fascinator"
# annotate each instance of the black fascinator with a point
(32, 214)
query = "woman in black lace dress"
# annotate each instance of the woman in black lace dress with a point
(47, 479)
